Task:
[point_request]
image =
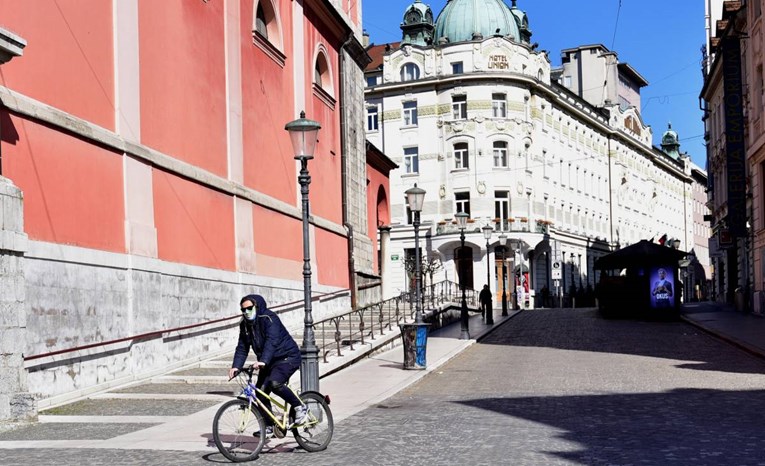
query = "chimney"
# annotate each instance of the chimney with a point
(365, 38)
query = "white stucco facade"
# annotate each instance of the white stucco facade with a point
(495, 137)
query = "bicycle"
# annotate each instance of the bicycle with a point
(239, 425)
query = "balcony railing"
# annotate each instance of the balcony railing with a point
(503, 225)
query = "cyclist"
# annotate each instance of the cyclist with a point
(278, 354)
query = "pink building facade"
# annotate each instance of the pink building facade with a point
(159, 184)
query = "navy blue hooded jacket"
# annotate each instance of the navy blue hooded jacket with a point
(266, 335)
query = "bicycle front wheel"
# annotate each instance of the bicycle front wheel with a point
(238, 431)
(315, 434)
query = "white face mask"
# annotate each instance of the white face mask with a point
(249, 312)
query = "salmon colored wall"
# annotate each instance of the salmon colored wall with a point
(268, 101)
(325, 168)
(277, 234)
(332, 258)
(376, 180)
(78, 76)
(195, 225)
(72, 190)
(183, 81)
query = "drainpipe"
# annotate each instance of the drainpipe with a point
(344, 176)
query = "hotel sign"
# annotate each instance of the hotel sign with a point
(498, 62)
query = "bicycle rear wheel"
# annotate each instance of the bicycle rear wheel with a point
(316, 434)
(238, 431)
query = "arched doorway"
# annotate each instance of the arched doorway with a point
(383, 214)
(463, 259)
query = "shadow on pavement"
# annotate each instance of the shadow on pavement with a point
(684, 426)
(587, 330)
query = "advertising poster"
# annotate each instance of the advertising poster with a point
(662, 287)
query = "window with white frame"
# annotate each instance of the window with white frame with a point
(410, 72)
(457, 67)
(500, 154)
(411, 160)
(502, 209)
(410, 113)
(461, 155)
(499, 105)
(462, 202)
(459, 107)
(373, 118)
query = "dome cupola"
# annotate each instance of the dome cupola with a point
(464, 20)
(670, 142)
(523, 22)
(417, 26)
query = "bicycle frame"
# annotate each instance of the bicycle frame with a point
(250, 393)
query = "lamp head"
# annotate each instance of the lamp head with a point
(487, 231)
(503, 240)
(304, 134)
(462, 219)
(415, 197)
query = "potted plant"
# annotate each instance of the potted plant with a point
(524, 219)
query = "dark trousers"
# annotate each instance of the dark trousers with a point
(274, 378)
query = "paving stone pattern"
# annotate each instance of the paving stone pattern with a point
(229, 389)
(550, 387)
(66, 431)
(119, 407)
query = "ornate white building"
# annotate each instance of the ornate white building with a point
(474, 114)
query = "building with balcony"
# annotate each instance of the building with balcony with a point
(473, 113)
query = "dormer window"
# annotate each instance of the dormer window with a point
(410, 72)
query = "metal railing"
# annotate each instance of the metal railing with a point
(336, 334)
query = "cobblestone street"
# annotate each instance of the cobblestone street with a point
(548, 387)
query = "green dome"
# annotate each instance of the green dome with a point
(460, 20)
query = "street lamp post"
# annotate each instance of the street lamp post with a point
(416, 196)
(503, 243)
(304, 134)
(487, 231)
(464, 326)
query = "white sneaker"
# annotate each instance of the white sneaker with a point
(269, 432)
(301, 415)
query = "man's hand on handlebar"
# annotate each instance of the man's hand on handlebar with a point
(234, 371)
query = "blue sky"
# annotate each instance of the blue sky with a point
(661, 39)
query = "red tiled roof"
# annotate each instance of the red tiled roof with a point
(377, 52)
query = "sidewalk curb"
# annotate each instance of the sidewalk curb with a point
(756, 352)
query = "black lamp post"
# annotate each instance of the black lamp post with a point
(503, 243)
(487, 231)
(462, 218)
(304, 134)
(416, 196)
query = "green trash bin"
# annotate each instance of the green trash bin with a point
(415, 338)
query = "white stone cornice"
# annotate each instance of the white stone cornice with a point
(32, 108)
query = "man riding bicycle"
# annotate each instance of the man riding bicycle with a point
(278, 354)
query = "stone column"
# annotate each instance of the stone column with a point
(385, 261)
(16, 404)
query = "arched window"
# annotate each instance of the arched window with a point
(321, 75)
(410, 72)
(260, 22)
(267, 31)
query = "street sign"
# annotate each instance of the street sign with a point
(394, 257)
(557, 271)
